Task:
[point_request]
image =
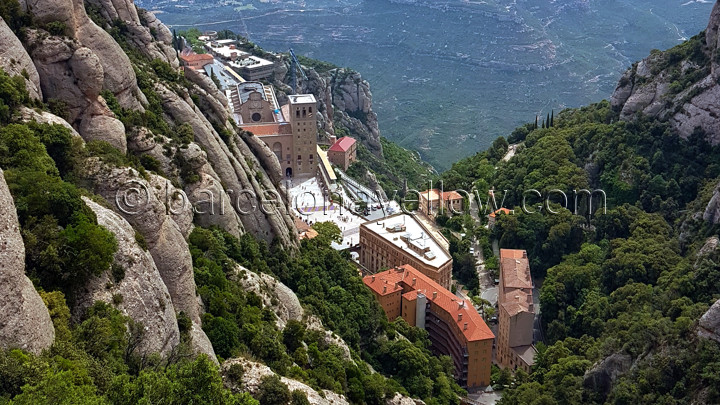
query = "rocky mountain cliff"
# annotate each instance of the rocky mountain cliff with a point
(344, 100)
(145, 157)
(25, 321)
(680, 85)
(90, 60)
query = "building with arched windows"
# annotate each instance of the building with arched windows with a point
(289, 131)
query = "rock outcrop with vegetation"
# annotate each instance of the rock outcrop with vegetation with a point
(25, 323)
(136, 201)
(16, 61)
(134, 285)
(680, 85)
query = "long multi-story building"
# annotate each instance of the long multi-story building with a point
(454, 326)
(515, 347)
(401, 239)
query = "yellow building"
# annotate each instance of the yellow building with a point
(454, 327)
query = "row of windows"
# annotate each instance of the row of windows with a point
(304, 112)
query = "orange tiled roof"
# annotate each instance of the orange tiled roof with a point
(451, 195)
(517, 283)
(408, 278)
(434, 194)
(301, 225)
(309, 234)
(383, 284)
(500, 211)
(268, 129)
(194, 57)
(515, 269)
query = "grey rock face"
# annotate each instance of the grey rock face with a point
(176, 203)
(45, 11)
(201, 344)
(712, 211)
(709, 326)
(710, 246)
(100, 127)
(254, 372)
(246, 185)
(604, 373)
(209, 99)
(118, 75)
(645, 89)
(712, 37)
(74, 74)
(274, 294)
(146, 212)
(133, 198)
(145, 297)
(24, 319)
(28, 114)
(342, 95)
(145, 31)
(14, 60)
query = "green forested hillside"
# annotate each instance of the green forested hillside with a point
(627, 282)
(94, 360)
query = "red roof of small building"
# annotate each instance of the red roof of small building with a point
(343, 144)
(500, 211)
(413, 281)
(194, 57)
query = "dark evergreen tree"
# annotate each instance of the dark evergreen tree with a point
(552, 118)
(536, 120)
(214, 78)
(547, 121)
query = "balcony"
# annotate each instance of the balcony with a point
(444, 342)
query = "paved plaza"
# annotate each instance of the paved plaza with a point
(311, 205)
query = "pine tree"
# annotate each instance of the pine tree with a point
(552, 118)
(536, 119)
(214, 78)
(543, 124)
(175, 39)
(547, 121)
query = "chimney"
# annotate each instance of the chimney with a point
(459, 317)
(434, 294)
(373, 278)
(461, 304)
(465, 326)
(384, 289)
(524, 254)
(414, 280)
